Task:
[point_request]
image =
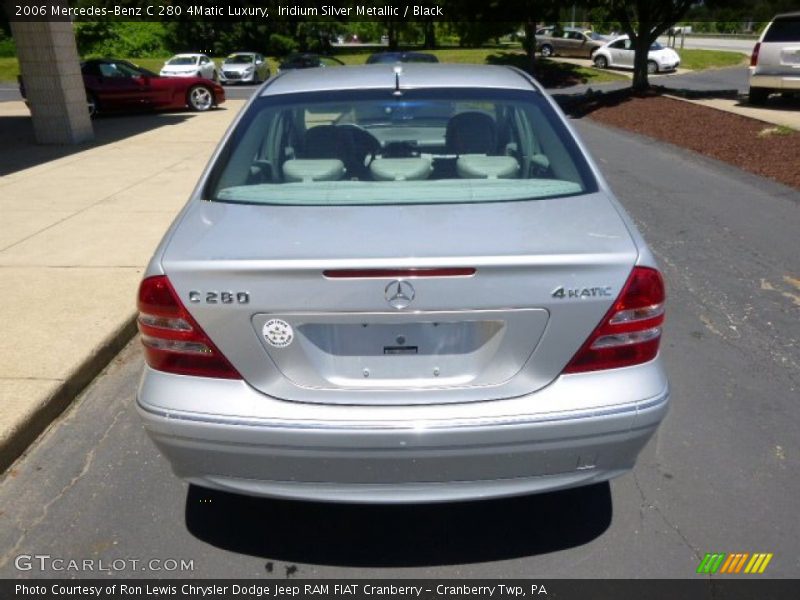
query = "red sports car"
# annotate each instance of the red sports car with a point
(113, 84)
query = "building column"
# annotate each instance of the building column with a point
(48, 59)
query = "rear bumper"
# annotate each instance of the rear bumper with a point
(775, 82)
(403, 454)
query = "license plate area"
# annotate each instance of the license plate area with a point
(406, 351)
(396, 339)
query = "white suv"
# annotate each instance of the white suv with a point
(775, 62)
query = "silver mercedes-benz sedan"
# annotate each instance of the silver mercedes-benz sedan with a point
(401, 284)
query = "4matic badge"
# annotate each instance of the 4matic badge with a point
(593, 292)
(278, 333)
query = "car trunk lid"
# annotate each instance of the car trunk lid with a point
(304, 300)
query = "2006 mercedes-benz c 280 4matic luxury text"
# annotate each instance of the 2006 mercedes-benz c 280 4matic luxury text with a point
(401, 284)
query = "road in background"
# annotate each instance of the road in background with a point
(720, 476)
(711, 43)
(9, 92)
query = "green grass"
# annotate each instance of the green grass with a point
(9, 69)
(697, 60)
(498, 55)
(690, 59)
(776, 130)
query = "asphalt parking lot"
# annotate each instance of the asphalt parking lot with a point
(720, 476)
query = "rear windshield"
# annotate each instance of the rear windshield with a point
(786, 29)
(182, 60)
(425, 146)
(239, 58)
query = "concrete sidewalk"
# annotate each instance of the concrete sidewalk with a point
(776, 112)
(79, 225)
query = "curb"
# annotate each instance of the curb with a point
(26, 432)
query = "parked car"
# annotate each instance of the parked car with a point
(440, 300)
(620, 53)
(113, 84)
(308, 60)
(775, 62)
(244, 67)
(403, 57)
(569, 41)
(190, 65)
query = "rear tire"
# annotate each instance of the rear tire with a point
(200, 98)
(547, 51)
(601, 62)
(758, 96)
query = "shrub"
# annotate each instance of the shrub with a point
(281, 45)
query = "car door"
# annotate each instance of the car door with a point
(563, 44)
(117, 85)
(616, 51)
(206, 67)
(577, 44)
(626, 54)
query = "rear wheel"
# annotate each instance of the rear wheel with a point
(652, 67)
(200, 98)
(758, 95)
(547, 50)
(600, 61)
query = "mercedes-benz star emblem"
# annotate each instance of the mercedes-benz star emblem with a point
(399, 294)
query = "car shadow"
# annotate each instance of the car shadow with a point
(551, 74)
(398, 535)
(775, 102)
(20, 151)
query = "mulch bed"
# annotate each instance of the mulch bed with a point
(724, 136)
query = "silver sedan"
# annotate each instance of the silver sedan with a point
(244, 67)
(401, 283)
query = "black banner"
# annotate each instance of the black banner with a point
(734, 588)
(264, 11)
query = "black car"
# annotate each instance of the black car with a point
(406, 57)
(307, 60)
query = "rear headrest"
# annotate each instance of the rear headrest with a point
(400, 169)
(313, 170)
(471, 133)
(487, 167)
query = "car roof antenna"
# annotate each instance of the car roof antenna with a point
(398, 70)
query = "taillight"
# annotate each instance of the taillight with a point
(630, 332)
(754, 55)
(173, 341)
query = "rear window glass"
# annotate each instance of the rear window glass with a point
(424, 146)
(784, 30)
(182, 60)
(240, 58)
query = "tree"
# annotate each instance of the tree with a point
(535, 11)
(644, 21)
